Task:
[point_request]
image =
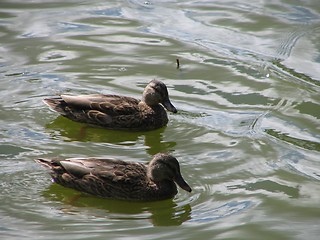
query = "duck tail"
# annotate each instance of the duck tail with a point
(56, 104)
(47, 163)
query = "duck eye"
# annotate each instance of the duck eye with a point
(173, 170)
(163, 92)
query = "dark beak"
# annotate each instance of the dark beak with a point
(182, 183)
(168, 105)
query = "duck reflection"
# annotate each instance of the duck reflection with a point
(160, 213)
(73, 131)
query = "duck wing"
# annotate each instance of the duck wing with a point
(110, 111)
(109, 104)
(102, 177)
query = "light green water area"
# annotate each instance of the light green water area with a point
(247, 131)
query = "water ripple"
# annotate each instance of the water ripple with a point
(246, 134)
(205, 213)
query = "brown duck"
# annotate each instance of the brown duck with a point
(117, 112)
(111, 178)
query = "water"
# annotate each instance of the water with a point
(247, 133)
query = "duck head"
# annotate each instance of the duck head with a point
(156, 92)
(166, 167)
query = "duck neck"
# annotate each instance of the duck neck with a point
(163, 190)
(149, 99)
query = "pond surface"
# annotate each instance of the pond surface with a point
(247, 131)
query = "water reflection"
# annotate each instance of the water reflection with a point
(72, 131)
(285, 137)
(161, 213)
(251, 71)
(269, 186)
(233, 123)
(225, 210)
(303, 78)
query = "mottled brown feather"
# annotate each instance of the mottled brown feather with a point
(118, 179)
(117, 112)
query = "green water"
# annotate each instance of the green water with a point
(246, 134)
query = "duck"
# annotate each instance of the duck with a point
(118, 179)
(115, 111)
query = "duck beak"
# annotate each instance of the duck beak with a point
(182, 183)
(168, 105)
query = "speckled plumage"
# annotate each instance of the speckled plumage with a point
(111, 178)
(117, 112)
